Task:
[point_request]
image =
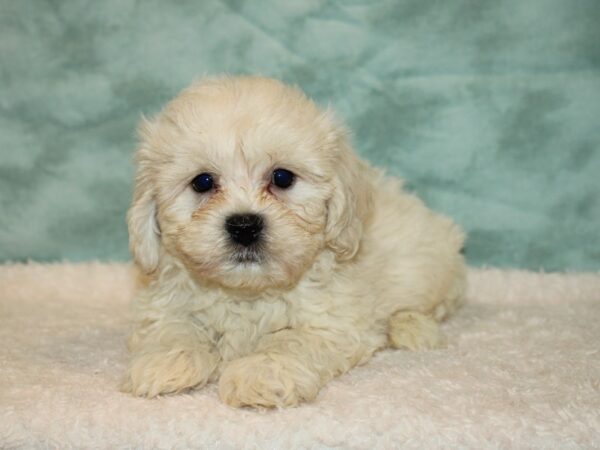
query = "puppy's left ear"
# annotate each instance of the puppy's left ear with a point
(144, 234)
(351, 202)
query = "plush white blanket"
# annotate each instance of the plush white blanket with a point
(522, 370)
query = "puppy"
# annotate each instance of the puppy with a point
(276, 259)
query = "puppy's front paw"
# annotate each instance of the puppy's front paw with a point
(267, 381)
(414, 331)
(164, 372)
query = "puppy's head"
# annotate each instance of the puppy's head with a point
(245, 181)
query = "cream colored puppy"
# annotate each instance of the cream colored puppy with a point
(276, 259)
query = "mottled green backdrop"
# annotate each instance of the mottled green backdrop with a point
(489, 109)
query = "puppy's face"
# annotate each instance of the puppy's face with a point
(237, 179)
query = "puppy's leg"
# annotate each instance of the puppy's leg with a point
(290, 367)
(413, 330)
(168, 357)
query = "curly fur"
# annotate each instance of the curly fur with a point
(352, 264)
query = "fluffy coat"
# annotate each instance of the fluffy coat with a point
(351, 263)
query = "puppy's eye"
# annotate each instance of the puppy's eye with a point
(203, 182)
(282, 178)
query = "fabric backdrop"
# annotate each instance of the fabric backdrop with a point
(489, 109)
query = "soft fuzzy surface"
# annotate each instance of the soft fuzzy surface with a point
(522, 369)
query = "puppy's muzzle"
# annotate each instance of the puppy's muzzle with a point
(244, 229)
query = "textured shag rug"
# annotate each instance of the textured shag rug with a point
(522, 369)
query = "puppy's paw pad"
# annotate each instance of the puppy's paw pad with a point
(264, 381)
(414, 331)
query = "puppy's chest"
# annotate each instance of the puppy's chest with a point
(236, 327)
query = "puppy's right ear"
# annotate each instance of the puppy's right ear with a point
(144, 232)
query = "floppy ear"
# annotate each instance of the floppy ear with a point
(351, 202)
(144, 232)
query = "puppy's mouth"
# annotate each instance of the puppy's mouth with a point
(247, 256)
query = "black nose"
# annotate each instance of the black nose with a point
(244, 229)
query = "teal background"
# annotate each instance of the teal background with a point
(489, 109)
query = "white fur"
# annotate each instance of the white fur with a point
(352, 263)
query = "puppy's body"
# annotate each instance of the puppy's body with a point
(348, 263)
